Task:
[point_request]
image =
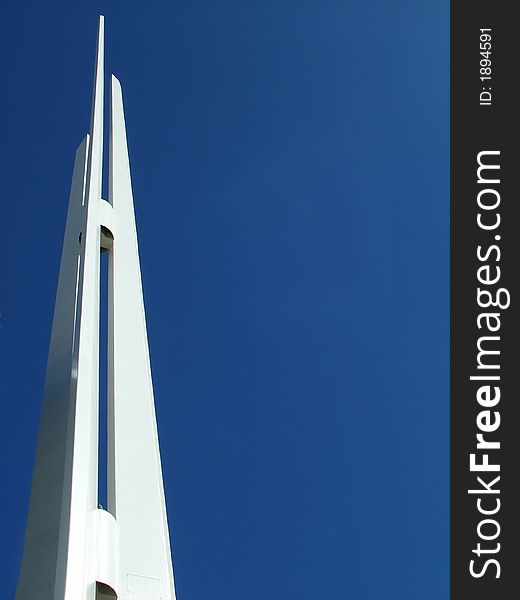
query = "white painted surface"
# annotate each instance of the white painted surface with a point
(70, 543)
(136, 494)
(107, 551)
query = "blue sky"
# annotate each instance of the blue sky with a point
(290, 166)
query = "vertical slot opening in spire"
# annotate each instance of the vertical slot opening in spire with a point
(103, 380)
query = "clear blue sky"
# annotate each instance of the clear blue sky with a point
(290, 165)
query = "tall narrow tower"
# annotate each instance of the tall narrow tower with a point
(75, 550)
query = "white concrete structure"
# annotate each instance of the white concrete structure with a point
(73, 549)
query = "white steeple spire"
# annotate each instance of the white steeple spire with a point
(73, 549)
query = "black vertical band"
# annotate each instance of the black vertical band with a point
(485, 269)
